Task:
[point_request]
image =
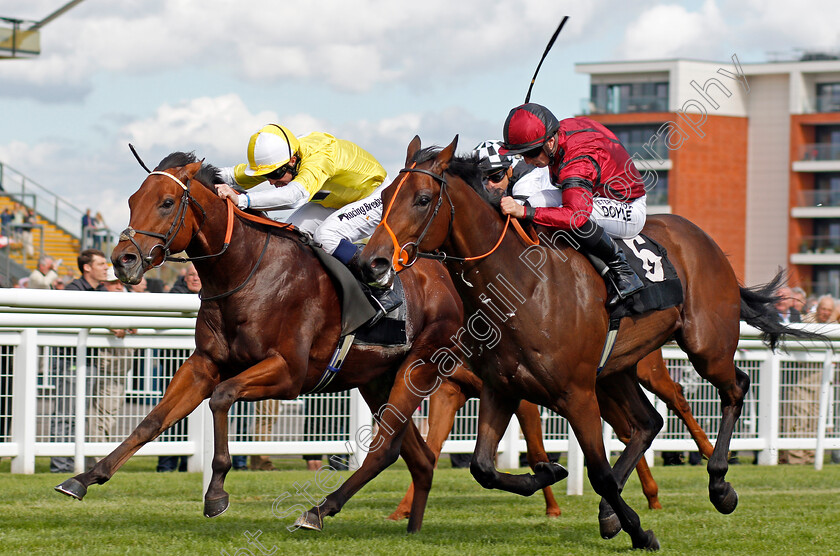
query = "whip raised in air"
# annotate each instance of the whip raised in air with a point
(547, 48)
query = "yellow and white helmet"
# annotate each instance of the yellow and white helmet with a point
(270, 148)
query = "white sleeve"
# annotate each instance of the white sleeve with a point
(536, 186)
(227, 175)
(289, 196)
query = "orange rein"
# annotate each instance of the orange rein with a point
(397, 260)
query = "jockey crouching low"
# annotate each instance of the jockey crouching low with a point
(603, 195)
(334, 184)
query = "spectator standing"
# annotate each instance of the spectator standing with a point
(112, 366)
(785, 306)
(94, 269)
(46, 275)
(5, 220)
(29, 223)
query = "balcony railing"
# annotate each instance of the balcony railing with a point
(625, 105)
(819, 198)
(820, 244)
(820, 151)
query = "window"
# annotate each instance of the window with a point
(658, 194)
(629, 97)
(826, 280)
(828, 97)
(635, 137)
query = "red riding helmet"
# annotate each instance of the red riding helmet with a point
(528, 127)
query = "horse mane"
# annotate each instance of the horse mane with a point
(461, 166)
(207, 176)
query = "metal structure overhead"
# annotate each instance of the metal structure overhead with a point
(21, 38)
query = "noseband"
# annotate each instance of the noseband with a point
(399, 263)
(178, 223)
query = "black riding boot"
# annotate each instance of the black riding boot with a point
(624, 279)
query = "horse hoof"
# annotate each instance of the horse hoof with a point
(649, 542)
(72, 487)
(310, 520)
(398, 515)
(553, 512)
(548, 473)
(609, 525)
(217, 507)
(727, 502)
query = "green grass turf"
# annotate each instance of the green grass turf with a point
(782, 510)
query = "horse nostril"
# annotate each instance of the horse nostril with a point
(379, 266)
(128, 259)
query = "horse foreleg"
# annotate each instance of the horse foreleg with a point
(269, 378)
(495, 411)
(531, 424)
(636, 423)
(413, 382)
(443, 405)
(192, 383)
(580, 406)
(653, 374)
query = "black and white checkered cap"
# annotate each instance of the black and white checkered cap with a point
(489, 159)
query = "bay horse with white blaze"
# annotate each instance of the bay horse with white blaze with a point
(267, 327)
(547, 331)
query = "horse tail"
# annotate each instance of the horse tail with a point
(758, 310)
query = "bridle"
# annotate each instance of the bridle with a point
(175, 228)
(399, 263)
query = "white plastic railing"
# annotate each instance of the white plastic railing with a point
(34, 322)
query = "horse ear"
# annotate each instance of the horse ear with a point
(193, 168)
(413, 147)
(444, 156)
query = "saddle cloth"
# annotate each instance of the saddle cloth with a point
(662, 289)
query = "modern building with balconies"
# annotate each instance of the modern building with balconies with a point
(749, 152)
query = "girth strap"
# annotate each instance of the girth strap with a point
(335, 363)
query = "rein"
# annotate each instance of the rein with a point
(400, 264)
(178, 223)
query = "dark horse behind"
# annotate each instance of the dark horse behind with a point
(544, 340)
(267, 328)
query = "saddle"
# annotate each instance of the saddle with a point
(357, 311)
(662, 289)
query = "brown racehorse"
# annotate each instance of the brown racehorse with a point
(539, 336)
(651, 373)
(248, 349)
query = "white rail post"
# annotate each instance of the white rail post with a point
(825, 385)
(81, 410)
(508, 458)
(574, 482)
(361, 431)
(769, 403)
(25, 402)
(205, 448)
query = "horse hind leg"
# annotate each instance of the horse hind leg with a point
(721, 493)
(494, 416)
(652, 373)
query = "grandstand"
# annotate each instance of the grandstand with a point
(56, 231)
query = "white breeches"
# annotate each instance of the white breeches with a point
(621, 220)
(353, 222)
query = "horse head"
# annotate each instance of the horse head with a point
(166, 215)
(417, 213)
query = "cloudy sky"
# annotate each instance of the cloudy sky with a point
(203, 75)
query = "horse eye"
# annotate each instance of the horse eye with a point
(423, 200)
(168, 203)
